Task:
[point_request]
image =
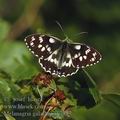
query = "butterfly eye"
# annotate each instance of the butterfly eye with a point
(61, 58)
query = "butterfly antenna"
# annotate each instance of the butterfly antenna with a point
(81, 33)
(61, 28)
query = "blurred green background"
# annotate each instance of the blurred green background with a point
(100, 18)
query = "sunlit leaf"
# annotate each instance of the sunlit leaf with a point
(4, 28)
(9, 117)
(57, 114)
(4, 86)
(16, 61)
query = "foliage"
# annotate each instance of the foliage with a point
(23, 85)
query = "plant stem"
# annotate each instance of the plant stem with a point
(41, 96)
(43, 118)
(88, 75)
(46, 105)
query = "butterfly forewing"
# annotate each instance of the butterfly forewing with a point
(42, 45)
(83, 55)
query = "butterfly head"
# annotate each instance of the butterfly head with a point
(67, 40)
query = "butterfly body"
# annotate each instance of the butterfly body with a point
(62, 50)
(60, 57)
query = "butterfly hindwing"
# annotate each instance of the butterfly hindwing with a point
(52, 64)
(67, 67)
(48, 66)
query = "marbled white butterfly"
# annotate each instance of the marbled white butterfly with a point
(61, 58)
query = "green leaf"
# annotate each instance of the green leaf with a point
(93, 90)
(7, 85)
(44, 91)
(4, 29)
(16, 60)
(4, 86)
(57, 114)
(1, 105)
(9, 88)
(70, 102)
(113, 98)
(53, 85)
(25, 90)
(9, 117)
(104, 110)
(84, 89)
(4, 75)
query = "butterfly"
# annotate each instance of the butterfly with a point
(61, 57)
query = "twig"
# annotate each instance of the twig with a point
(46, 105)
(43, 117)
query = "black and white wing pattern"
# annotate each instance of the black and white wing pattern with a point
(61, 58)
(83, 55)
(42, 45)
(46, 48)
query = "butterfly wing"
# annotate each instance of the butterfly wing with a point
(78, 56)
(59, 65)
(83, 55)
(57, 61)
(50, 64)
(42, 46)
(46, 48)
(67, 68)
(67, 71)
